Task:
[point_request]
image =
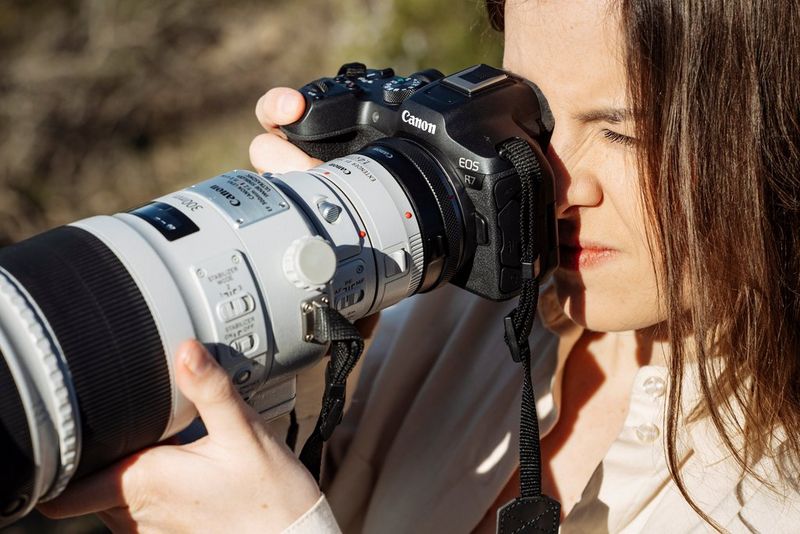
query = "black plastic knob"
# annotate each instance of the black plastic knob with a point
(396, 91)
(321, 85)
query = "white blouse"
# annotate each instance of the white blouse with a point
(430, 438)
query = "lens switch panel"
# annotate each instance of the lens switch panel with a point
(233, 305)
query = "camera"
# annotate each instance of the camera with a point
(415, 193)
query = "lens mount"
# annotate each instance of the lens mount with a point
(429, 190)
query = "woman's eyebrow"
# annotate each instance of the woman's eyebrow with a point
(612, 115)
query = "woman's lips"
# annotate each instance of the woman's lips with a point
(576, 257)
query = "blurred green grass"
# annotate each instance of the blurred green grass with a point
(105, 104)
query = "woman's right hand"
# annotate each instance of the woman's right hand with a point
(271, 151)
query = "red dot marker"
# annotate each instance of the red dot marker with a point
(362, 233)
(408, 215)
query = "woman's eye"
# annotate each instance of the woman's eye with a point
(615, 137)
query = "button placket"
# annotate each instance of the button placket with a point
(647, 432)
(651, 389)
(655, 386)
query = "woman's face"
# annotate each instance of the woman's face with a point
(574, 51)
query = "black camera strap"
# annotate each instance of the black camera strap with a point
(346, 348)
(532, 511)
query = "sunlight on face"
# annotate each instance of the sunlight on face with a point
(574, 52)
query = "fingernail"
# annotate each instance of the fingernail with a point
(286, 103)
(196, 360)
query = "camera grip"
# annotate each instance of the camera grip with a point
(330, 148)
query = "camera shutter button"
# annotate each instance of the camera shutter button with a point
(309, 262)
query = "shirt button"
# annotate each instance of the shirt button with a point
(655, 386)
(647, 433)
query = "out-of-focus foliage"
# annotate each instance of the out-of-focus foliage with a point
(105, 104)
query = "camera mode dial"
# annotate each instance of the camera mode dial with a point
(309, 263)
(397, 90)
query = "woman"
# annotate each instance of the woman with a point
(667, 361)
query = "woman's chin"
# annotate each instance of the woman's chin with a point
(606, 311)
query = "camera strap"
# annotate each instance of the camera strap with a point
(532, 511)
(346, 348)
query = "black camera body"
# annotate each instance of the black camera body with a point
(461, 121)
(420, 191)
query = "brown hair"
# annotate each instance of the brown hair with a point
(715, 92)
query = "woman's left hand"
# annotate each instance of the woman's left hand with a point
(239, 478)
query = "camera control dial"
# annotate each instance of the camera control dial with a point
(309, 262)
(397, 90)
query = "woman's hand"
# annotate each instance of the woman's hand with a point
(239, 478)
(271, 152)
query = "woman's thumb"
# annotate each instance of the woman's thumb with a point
(209, 388)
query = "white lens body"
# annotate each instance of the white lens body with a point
(252, 252)
(375, 238)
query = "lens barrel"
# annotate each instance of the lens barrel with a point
(89, 300)
(108, 337)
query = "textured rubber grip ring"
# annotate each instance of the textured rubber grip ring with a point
(108, 335)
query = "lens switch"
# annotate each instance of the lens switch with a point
(235, 308)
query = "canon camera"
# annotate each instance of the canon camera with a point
(416, 193)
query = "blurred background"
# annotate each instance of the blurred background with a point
(105, 104)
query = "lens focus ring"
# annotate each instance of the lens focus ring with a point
(63, 408)
(106, 332)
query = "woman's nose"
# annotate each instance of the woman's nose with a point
(576, 181)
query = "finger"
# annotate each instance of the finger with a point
(270, 153)
(279, 106)
(225, 415)
(110, 488)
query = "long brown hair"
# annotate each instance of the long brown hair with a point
(715, 90)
